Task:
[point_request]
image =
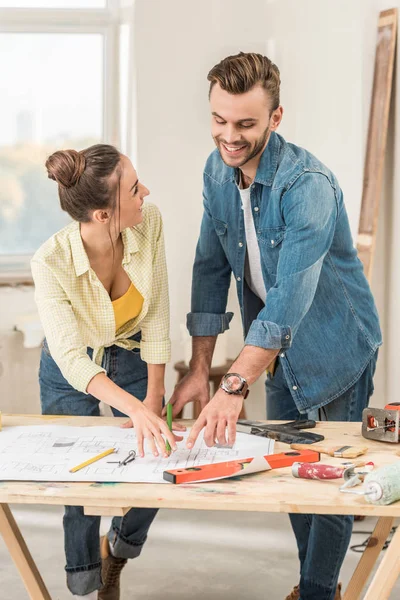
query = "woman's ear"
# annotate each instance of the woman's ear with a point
(101, 216)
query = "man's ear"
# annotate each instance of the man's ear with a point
(101, 216)
(276, 118)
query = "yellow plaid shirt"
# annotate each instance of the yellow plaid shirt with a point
(76, 311)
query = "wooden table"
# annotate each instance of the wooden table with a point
(273, 491)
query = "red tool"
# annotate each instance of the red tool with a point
(232, 467)
(321, 471)
(306, 471)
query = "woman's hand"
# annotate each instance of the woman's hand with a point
(156, 406)
(148, 424)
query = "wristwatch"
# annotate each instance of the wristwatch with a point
(235, 384)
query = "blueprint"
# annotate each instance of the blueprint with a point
(47, 452)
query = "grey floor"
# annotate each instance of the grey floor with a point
(189, 554)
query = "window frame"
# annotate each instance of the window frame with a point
(105, 22)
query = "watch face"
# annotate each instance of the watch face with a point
(233, 383)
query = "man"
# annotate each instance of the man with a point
(274, 217)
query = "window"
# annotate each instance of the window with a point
(53, 4)
(60, 84)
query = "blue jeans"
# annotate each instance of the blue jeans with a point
(127, 534)
(322, 540)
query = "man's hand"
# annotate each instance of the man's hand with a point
(194, 386)
(221, 412)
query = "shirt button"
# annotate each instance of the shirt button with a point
(256, 208)
(272, 242)
(287, 337)
(240, 245)
(294, 387)
(239, 278)
(282, 355)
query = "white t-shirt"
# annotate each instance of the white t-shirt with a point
(252, 271)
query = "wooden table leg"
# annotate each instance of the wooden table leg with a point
(368, 558)
(21, 556)
(388, 571)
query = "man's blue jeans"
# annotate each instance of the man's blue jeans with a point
(81, 532)
(322, 540)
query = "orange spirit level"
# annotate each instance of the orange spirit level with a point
(235, 467)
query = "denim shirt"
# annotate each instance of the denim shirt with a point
(319, 310)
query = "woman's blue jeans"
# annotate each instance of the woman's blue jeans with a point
(81, 532)
(322, 540)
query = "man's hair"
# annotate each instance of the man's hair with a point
(239, 73)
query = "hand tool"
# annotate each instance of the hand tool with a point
(231, 467)
(322, 472)
(335, 451)
(382, 486)
(288, 433)
(352, 477)
(121, 463)
(382, 424)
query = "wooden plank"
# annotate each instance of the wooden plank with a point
(387, 573)
(377, 137)
(368, 558)
(21, 556)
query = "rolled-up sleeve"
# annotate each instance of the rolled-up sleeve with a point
(155, 346)
(310, 212)
(210, 282)
(61, 329)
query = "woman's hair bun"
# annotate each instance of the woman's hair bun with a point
(66, 167)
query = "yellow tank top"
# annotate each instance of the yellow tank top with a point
(127, 307)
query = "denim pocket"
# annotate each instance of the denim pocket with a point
(270, 240)
(220, 227)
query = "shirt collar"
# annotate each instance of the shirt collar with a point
(269, 161)
(268, 164)
(80, 258)
(130, 244)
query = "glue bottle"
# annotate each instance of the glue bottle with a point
(383, 486)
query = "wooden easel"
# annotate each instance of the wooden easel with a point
(377, 136)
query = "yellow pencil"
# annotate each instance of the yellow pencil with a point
(92, 460)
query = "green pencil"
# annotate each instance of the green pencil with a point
(169, 423)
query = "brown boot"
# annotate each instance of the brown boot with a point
(295, 593)
(111, 568)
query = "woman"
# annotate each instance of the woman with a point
(102, 293)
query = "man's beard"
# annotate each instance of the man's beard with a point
(258, 148)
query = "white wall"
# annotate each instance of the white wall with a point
(177, 43)
(318, 46)
(324, 49)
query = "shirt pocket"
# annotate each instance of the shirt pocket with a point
(270, 242)
(221, 229)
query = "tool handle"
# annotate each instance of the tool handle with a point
(316, 471)
(317, 447)
(337, 452)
